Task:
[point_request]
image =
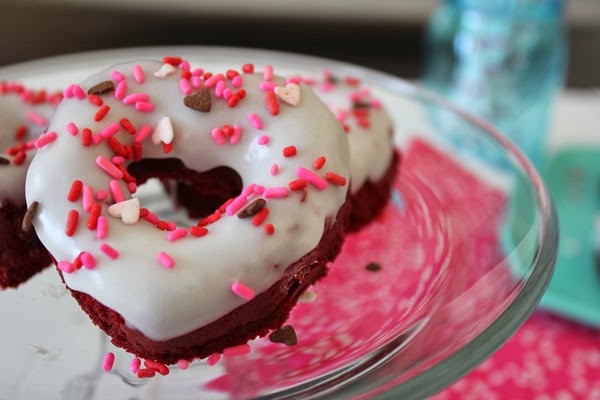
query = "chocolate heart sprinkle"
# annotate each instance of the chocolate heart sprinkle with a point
(199, 101)
(373, 267)
(252, 209)
(102, 88)
(284, 335)
(28, 217)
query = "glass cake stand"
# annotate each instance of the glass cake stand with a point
(456, 263)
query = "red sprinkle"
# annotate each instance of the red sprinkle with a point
(260, 217)
(146, 373)
(117, 147)
(290, 151)
(86, 137)
(158, 367)
(95, 100)
(272, 103)
(95, 211)
(101, 113)
(198, 231)
(75, 190)
(72, 220)
(335, 179)
(126, 124)
(319, 162)
(298, 184)
(20, 132)
(269, 229)
(248, 68)
(174, 61)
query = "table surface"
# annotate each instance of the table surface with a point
(552, 356)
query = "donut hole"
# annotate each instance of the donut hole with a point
(198, 193)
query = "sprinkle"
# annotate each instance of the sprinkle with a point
(237, 81)
(198, 231)
(272, 103)
(95, 210)
(88, 260)
(128, 210)
(138, 73)
(66, 267)
(165, 260)
(212, 81)
(373, 267)
(102, 194)
(102, 228)
(248, 68)
(121, 90)
(268, 73)
(144, 106)
(259, 189)
(255, 121)
(4, 160)
(109, 167)
(126, 124)
(117, 147)
(75, 190)
(335, 179)
(237, 350)
(260, 216)
(307, 297)
(86, 137)
(88, 197)
(213, 359)
(164, 71)
(248, 190)
(101, 88)
(185, 86)
(146, 373)
(218, 136)
(117, 76)
(72, 220)
(242, 291)
(177, 234)
(266, 85)
(200, 101)
(28, 217)
(142, 134)
(101, 113)
(96, 139)
(233, 100)
(274, 169)
(72, 128)
(319, 162)
(78, 92)
(183, 364)
(269, 229)
(20, 132)
(45, 139)
(252, 208)
(264, 139)
(237, 135)
(95, 100)
(117, 192)
(276, 192)
(298, 184)
(110, 130)
(236, 205)
(163, 132)
(109, 360)
(311, 178)
(290, 151)
(290, 94)
(134, 365)
(285, 335)
(158, 367)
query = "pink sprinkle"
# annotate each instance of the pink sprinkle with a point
(237, 135)
(236, 205)
(268, 73)
(196, 82)
(248, 190)
(78, 92)
(135, 97)
(177, 234)
(218, 137)
(242, 290)
(102, 228)
(108, 167)
(96, 139)
(142, 134)
(102, 194)
(274, 169)
(219, 88)
(117, 76)
(45, 139)
(121, 90)
(87, 260)
(213, 359)
(327, 87)
(311, 178)
(108, 362)
(171, 226)
(185, 86)
(212, 81)
(183, 364)
(87, 197)
(275, 192)
(135, 364)
(138, 73)
(255, 121)
(144, 106)
(185, 65)
(132, 187)
(109, 251)
(66, 267)
(117, 160)
(110, 130)
(117, 192)
(259, 189)
(68, 92)
(165, 260)
(237, 81)
(264, 139)
(198, 72)
(152, 218)
(227, 93)
(292, 80)
(72, 128)
(237, 350)
(36, 118)
(266, 86)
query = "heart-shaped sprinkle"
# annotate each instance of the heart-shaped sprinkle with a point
(102, 88)
(289, 94)
(165, 70)
(199, 101)
(285, 335)
(128, 210)
(163, 132)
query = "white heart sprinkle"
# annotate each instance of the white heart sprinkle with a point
(128, 210)
(165, 70)
(163, 132)
(290, 93)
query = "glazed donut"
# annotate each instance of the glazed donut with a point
(168, 292)
(23, 117)
(374, 158)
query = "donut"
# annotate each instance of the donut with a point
(166, 290)
(374, 158)
(24, 113)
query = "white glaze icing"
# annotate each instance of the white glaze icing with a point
(371, 145)
(14, 107)
(166, 303)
